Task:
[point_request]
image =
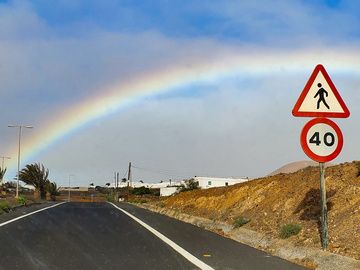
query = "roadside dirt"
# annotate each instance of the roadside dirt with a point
(273, 201)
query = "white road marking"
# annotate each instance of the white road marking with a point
(29, 214)
(172, 244)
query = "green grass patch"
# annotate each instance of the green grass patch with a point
(4, 206)
(240, 221)
(290, 229)
(22, 200)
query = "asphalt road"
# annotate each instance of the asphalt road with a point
(98, 236)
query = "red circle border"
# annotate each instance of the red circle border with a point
(306, 148)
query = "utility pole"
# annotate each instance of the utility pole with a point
(129, 174)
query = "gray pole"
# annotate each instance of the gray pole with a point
(129, 174)
(69, 189)
(18, 174)
(323, 205)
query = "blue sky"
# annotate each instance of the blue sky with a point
(239, 21)
(56, 54)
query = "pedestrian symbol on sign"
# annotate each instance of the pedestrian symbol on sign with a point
(320, 98)
(321, 93)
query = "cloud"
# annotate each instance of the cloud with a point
(235, 125)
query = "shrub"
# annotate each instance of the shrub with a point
(4, 206)
(109, 198)
(22, 200)
(240, 221)
(141, 191)
(161, 204)
(190, 184)
(290, 229)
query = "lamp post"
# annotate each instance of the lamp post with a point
(18, 174)
(69, 187)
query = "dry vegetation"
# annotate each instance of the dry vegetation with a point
(273, 201)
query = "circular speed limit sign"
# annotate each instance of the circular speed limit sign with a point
(321, 139)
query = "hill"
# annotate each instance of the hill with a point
(296, 166)
(273, 201)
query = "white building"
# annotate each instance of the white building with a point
(209, 182)
(167, 191)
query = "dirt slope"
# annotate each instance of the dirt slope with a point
(273, 201)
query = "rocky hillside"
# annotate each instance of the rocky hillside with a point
(273, 201)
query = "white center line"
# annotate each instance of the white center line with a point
(29, 214)
(172, 244)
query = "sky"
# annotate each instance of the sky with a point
(179, 88)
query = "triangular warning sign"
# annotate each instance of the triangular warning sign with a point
(320, 98)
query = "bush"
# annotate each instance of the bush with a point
(4, 206)
(141, 191)
(190, 184)
(109, 198)
(22, 200)
(161, 204)
(240, 221)
(289, 230)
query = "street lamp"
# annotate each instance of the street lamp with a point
(20, 128)
(69, 187)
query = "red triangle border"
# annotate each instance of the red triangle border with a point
(297, 113)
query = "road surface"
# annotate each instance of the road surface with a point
(85, 236)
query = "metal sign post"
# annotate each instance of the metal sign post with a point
(321, 139)
(323, 207)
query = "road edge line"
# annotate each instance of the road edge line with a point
(29, 214)
(187, 255)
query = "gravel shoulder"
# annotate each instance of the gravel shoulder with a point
(309, 257)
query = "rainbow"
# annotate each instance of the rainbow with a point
(213, 69)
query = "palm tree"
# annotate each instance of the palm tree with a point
(52, 189)
(2, 173)
(37, 176)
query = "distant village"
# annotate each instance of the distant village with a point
(169, 187)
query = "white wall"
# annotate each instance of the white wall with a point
(209, 182)
(167, 191)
